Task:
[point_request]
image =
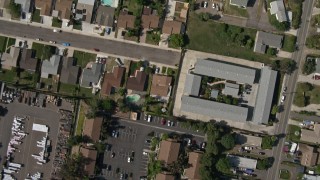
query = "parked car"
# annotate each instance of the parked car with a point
(145, 153)
(262, 153)
(205, 5)
(169, 123)
(66, 44)
(149, 118)
(248, 148)
(163, 121)
(284, 89)
(113, 154)
(95, 49)
(129, 159)
(213, 5)
(157, 70)
(172, 123)
(203, 145)
(56, 30)
(189, 142)
(38, 39)
(148, 141)
(283, 97)
(52, 42)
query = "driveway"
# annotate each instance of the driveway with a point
(258, 18)
(47, 21)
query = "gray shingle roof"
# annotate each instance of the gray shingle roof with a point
(231, 89)
(91, 75)
(277, 8)
(214, 109)
(264, 39)
(25, 5)
(69, 71)
(264, 97)
(50, 66)
(242, 162)
(317, 66)
(226, 71)
(105, 16)
(241, 3)
(192, 84)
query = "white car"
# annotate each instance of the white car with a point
(145, 153)
(149, 118)
(205, 5)
(52, 42)
(283, 98)
(213, 5)
(129, 160)
(56, 30)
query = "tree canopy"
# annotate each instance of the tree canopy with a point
(176, 40)
(228, 141)
(309, 66)
(223, 165)
(107, 105)
(73, 168)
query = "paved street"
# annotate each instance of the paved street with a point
(290, 82)
(88, 42)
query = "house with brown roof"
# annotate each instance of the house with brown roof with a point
(161, 85)
(309, 156)
(149, 20)
(91, 156)
(137, 82)
(105, 16)
(44, 6)
(311, 136)
(28, 61)
(181, 11)
(193, 172)
(126, 21)
(70, 71)
(172, 27)
(162, 176)
(112, 80)
(62, 9)
(169, 151)
(10, 60)
(92, 128)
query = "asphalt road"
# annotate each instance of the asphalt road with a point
(88, 42)
(290, 82)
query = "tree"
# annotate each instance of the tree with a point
(309, 66)
(263, 164)
(15, 9)
(176, 40)
(249, 43)
(164, 136)
(271, 51)
(228, 141)
(305, 87)
(268, 142)
(107, 105)
(317, 169)
(299, 100)
(275, 109)
(73, 168)
(74, 140)
(204, 16)
(122, 91)
(223, 165)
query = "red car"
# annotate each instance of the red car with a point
(163, 121)
(95, 49)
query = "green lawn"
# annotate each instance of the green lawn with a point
(83, 58)
(289, 43)
(284, 174)
(211, 37)
(77, 25)
(27, 78)
(292, 130)
(11, 42)
(56, 22)
(68, 89)
(36, 16)
(234, 10)
(86, 92)
(43, 51)
(306, 94)
(3, 43)
(153, 37)
(80, 121)
(8, 76)
(133, 7)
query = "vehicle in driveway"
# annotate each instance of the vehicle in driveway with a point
(169, 123)
(38, 39)
(163, 121)
(283, 97)
(129, 160)
(149, 118)
(113, 154)
(203, 145)
(65, 44)
(52, 42)
(145, 153)
(56, 30)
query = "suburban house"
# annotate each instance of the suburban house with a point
(242, 162)
(193, 171)
(149, 20)
(91, 156)
(310, 177)
(51, 66)
(239, 3)
(44, 6)
(105, 16)
(311, 136)
(27, 61)
(25, 7)
(62, 9)
(192, 104)
(85, 10)
(161, 86)
(231, 89)
(248, 140)
(137, 82)
(169, 151)
(265, 40)
(163, 176)
(92, 128)
(10, 60)
(125, 20)
(317, 71)
(181, 11)
(91, 76)
(278, 9)
(172, 27)
(309, 156)
(69, 71)
(112, 80)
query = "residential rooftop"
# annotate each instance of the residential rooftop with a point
(265, 40)
(242, 162)
(192, 85)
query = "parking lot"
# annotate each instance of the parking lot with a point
(23, 154)
(129, 145)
